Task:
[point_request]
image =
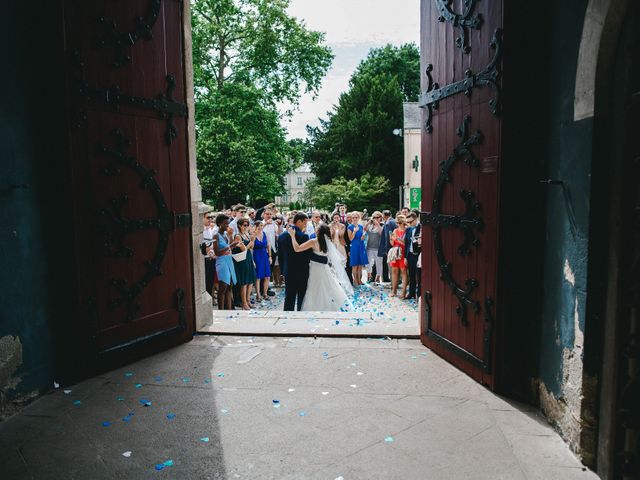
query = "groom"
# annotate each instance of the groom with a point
(295, 265)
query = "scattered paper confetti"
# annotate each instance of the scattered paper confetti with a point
(388, 439)
(145, 402)
(56, 385)
(359, 373)
(138, 385)
(106, 424)
(205, 439)
(120, 399)
(220, 374)
(126, 454)
(185, 380)
(325, 393)
(77, 402)
(171, 416)
(158, 379)
(353, 386)
(302, 414)
(291, 390)
(128, 374)
(67, 392)
(224, 410)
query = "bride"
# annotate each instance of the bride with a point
(329, 287)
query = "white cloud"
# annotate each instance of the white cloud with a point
(353, 27)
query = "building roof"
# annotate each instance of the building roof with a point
(411, 115)
(304, 168)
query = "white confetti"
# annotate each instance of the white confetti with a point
(126, 454)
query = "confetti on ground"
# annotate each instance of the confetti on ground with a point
(276, 403)
(67, 392)
(359, 373)
(171, 416)
(225, 411)
(77, 402)
(291, 390)
(106, 424)
(145, 402)
(126, 454)
(325, 393)
(138, 385)
(353, 386)
(158, 379)
(302, 414)
(56, 385)
(168, 463)
(205, 439)
(185, 380)
(128, 374)
(220, 374)
(120, 399)
(388, 439)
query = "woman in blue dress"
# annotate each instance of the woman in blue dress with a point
(262, 259)
(224, 263)
(358, 258)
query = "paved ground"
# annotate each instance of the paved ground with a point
(374, 314)
(283, 408)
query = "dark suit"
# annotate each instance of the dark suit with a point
(282, 258)
(415, 280)
(295, 269)
(388, 227)
(347, 248)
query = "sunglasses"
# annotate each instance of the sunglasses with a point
(210, 218)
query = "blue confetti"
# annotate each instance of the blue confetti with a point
(185, 379)
(145, 402)
(205, 439)
(106, 424)
(388, 439)
(138, 385)
(128, 374)
(302, 414)
(77, 402)
(206, 380)
(120, 399)
(171, 416)
(158, 379)
(220, 374)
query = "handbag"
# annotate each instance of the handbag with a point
(239, 257)
(394, 253)
(203, 248)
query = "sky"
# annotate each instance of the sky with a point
(352, 28)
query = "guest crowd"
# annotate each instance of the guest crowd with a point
(241, 247)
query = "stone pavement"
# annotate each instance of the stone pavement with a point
(374, 314)
(283, 408)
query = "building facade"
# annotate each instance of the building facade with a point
(294, 183)
(412, 185)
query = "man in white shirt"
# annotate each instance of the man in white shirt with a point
(313, 224)
(239, 213)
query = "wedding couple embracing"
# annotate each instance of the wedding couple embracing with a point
(315, 278)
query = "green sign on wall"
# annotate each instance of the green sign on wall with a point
(415, 196)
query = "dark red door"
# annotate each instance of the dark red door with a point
(461, 62)
(130, 174)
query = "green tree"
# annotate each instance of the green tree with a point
(357, 138)
(256, 42)
(365, 192)
(241, 147)
(249, 57)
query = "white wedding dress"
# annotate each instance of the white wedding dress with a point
(328, 288)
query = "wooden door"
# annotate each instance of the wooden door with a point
(128, 142)
(461, 64)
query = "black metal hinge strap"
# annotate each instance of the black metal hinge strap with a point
(489, 77)
(464, 21)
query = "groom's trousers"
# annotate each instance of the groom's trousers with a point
(295, 286)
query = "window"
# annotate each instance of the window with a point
(299, 180)
(299, 196)
(284, 198)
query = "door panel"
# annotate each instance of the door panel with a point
(461, 151)
(130, 175)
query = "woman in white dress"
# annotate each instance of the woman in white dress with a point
(328, 288)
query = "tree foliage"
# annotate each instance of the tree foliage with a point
(357, 138)
(358, 194)
(249, 56)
